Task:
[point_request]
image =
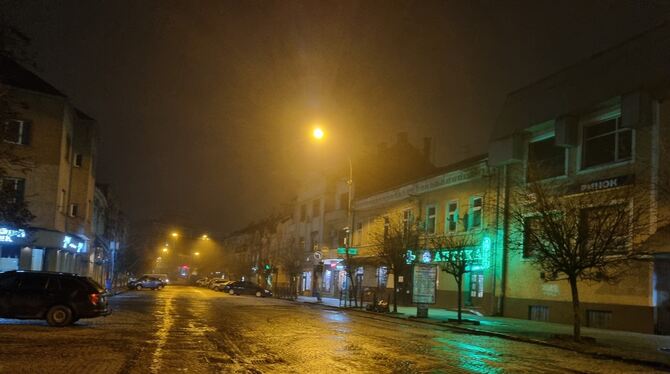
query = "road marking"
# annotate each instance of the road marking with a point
(166, 321)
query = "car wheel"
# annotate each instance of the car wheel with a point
(138, 287)
(231, 292)
(258, 294)
(60, 316)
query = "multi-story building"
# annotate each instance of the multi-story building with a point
(600, 125)
(57, 143)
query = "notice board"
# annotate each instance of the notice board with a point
(425, 281)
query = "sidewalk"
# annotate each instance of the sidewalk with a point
(621, 345)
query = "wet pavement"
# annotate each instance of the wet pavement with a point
(195, 330)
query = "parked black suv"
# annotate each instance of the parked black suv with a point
(60, 298)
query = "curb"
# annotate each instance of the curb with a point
(523, 339)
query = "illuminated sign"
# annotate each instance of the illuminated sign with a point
(476, 257)
(76, 245)
(8, 235)
(352, 251)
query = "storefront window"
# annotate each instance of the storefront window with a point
(9, 257)
(382, 276)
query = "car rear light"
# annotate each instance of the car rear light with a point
(94, 298)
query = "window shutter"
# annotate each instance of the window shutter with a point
(635, 110)
(566, 131)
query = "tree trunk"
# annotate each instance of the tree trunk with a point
(459, 284)
(576, 315)
(395, 293)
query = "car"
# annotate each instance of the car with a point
(202, 282)
(59, 298)
(146, 282)
(246, 288)
(163, 277)
(217, 284)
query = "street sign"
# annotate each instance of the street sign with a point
(352, 251)
(318, 255)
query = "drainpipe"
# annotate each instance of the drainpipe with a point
(503, 278)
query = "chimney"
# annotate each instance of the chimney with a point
(427, 151)
(402, 137)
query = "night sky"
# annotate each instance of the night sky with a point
(204, 106)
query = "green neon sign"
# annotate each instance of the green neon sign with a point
(479, 257)
(352, 251)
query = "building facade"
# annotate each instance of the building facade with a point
(57, 144)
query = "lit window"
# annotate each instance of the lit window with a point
(545, 160)
(606, 142)
(452, 216)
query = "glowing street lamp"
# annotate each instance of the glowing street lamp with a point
(204, 237)
(318, 133)
(175, 234)
(197, 253)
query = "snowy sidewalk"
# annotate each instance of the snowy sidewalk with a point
(623, 345)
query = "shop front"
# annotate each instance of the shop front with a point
(39, 249)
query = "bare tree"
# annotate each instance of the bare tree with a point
(400, 233)
(291, 257)
(457, 253)
(584, 236)
(351, 265)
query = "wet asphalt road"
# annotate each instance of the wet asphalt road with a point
(195, 330)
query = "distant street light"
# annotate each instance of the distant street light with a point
(204, 237)
(165, 249)
(197, 253)
(175, 234)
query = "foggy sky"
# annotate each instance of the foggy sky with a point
(204, 106)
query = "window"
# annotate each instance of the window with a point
(407, 218)
(530, 236)
(475, 216)
(538, 313)
(606, 142)
(606, 227)
(13, 189)
(382, 277)
(302, 243)
(316, 208)
(303, 212)
(430, 219)
(78, 160)
(477, 285)
(33, 282)
(452, 216)
(599, 319)
(16, 132)
(359, 233)
(545, 160)
(73, 210)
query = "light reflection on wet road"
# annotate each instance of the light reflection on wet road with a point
(193, 330)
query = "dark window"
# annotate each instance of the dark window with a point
(545, 160)
(598, 318)
(16, 132)
(74, 210)
(78, 160)
(430, 219)
(387, 225)
(407, 219)
(13, 189)
(33, 282)
(452, 216)
(530, 236)
(475, 217)
(303, 212)
(8, 281)
(606, 142)
(538, 313)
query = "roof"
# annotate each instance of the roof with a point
(471, 161)
(640, 62)
(15, 75)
